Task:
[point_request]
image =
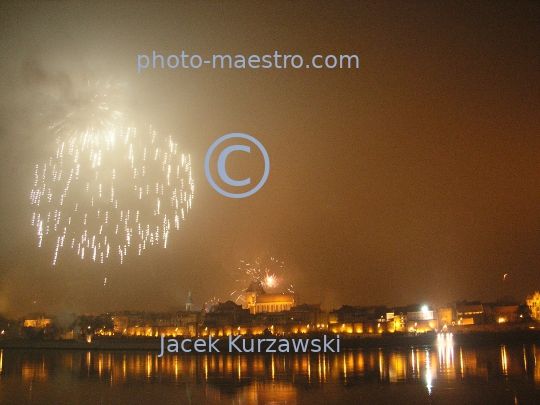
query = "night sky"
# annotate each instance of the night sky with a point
(414, 178)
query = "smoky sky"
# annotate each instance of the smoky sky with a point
(414, 178)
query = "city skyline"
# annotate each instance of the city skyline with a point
(190, 303)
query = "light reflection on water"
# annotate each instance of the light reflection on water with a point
(443, 372)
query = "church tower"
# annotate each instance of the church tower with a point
(189, 303)
(252, 292)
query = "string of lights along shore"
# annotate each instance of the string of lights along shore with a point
(110, 188)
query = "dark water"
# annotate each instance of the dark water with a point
(441, 374)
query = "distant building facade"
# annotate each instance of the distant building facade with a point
(39, 322)
(506, 313)
(470, 313)
(420, 319)
(178, 323)
(445, 318)
(533, 302)
(259, 301)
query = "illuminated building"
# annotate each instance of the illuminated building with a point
(178, 323)
(309, 314)
(398, 320)
(420, 319)
(361, 320)
(40, 322)
(470, 313)
(445, 318)
(533, 302)
(506, 313)
(259, 301)
(501, 312)
(224, 319)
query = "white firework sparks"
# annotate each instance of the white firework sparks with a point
(96, 106)
(110, 188)
(210, 304)
(266, 271)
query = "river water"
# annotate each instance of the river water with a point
(438, 374)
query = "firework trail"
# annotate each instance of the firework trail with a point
(266, 272)
(109, 188)
(208, 305)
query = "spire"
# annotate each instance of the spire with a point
(189, 302)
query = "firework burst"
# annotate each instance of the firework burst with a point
(95, 106)
(109, 188)
(208, 305)
(266, 272)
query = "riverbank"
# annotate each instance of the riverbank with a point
(348, 342)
